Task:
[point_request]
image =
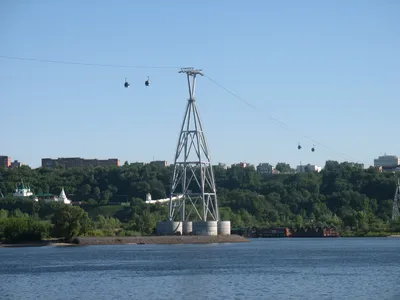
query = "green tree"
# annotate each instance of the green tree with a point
(283, 167)
(3, 214)
(70, 221)
(342, 194)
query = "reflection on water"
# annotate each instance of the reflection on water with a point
(264, 269)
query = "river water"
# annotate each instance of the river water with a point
(337, 268)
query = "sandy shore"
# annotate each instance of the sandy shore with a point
(84, 241)
(162, 240)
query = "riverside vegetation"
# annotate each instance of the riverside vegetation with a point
(357, 201)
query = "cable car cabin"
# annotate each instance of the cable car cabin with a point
(126, 84)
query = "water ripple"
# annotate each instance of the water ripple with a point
(312, 269)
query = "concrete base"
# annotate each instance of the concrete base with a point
(187, 228)
(169, 228)
(224, 228)
(205, 228)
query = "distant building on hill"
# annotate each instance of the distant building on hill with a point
(24, 190)
(265, 168)
(16, 164)
(241, 164)
(161, 163)
(308, 168)
(5, 161)
(71, 162)
(387, 163)
(48, 197)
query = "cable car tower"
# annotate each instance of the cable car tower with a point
(396, 202)
(193, 186)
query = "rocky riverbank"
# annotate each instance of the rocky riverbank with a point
(166, 240)
(162, 240)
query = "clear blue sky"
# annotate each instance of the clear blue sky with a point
(328, 69)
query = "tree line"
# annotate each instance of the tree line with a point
(356, 200)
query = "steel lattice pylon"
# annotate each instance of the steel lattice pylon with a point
(193, 183)
(396, 203)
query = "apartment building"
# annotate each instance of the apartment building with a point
(5, 161)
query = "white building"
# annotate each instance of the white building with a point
(63, 198)
(308, 168)
(387, 161)
(53, 198)
(23, 190)
(149, 200)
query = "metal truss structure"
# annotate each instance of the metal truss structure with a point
(193, 185)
